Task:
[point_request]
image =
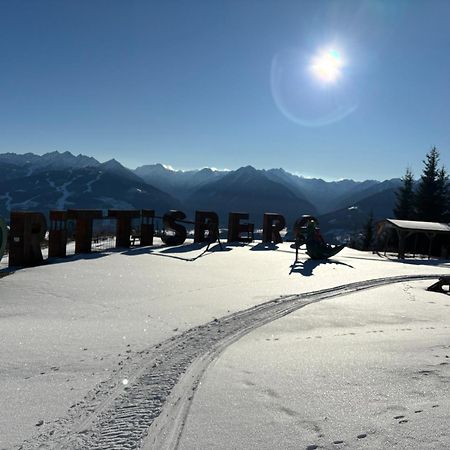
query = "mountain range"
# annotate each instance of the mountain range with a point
(62, 180)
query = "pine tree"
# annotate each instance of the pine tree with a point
(444, 194)
(432, 190)
(368, 232)
(404, 206)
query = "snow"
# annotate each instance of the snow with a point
(420, 226)
(77, 331)
(91, 182)
(8, 199)
(116, 204)
(65, 194)
(369, 370)
(26, 205)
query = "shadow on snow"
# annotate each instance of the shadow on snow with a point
(306, 268)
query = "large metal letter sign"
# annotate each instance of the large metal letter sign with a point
(206, 221)
(3, 237)
(123, 225)
(273, 224)
(57, 235)
(27, 232)
(147, 227)
(83, 230)
(169, 220)
(236, 228)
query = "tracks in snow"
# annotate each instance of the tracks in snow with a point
(149, 411)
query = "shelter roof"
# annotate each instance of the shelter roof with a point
(432, 227)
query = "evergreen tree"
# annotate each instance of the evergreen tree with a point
(432, 190)
(444, 194)
(368, 232)
(404, 206)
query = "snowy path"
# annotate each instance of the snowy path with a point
(146, 403)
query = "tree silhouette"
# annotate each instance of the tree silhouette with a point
(432, 191)
(368, 232)
(404, 205)
(444, 194)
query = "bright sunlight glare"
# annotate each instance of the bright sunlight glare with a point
(326, 65)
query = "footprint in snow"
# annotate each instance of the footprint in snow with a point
(289, 412)
(272, 393)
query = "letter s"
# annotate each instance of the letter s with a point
(169, 224)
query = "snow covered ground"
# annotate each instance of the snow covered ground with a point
(368, 370)
(83, 337)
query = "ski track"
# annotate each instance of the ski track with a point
(90, 183)
(8, 200)
(150, 410)
(65, 194)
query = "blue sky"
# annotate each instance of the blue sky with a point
(228, 83)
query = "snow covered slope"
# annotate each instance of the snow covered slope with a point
(93, 346)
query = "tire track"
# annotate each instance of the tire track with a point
(149, 410)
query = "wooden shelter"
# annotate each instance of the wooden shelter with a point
(406, 228)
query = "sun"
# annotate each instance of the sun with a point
(327, 65)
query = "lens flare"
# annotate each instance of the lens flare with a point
(308, 99)
(326, 66)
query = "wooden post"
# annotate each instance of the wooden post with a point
(401, 244)
(430, 237)
(387, 241)
(415, 244)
